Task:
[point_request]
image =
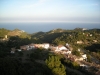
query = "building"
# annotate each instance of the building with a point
(13, 50)
(44, 45)
(32, 46)
(79, 42)
(24, 47)
(84, 56)
(60, 48)
(19, 50)
(65, 52)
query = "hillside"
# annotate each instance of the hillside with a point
(15, 32)
(70, 36)
(78, 38)
(40, 61)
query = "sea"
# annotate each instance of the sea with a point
(47, 26)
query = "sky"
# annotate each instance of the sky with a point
(80, 11)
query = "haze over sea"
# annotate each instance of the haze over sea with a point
(47, 26)
(45, 15)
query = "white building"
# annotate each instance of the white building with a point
(79, 42)
(84, 56)
(67, 44)
(66, 52)
(46, 46)
(12, 52)
(19, 50)
(60, 48)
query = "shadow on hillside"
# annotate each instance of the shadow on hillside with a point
(93, 48)
(13, 66)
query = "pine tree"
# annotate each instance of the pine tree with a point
(54, 63)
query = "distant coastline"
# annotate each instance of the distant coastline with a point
(47, 26)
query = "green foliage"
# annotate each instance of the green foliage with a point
(11, 66)
(4, 49)
(75, 65)
(15, 67)
(39, 54)
(93, 47)
(54, 63)
(3, 32)
(16, 41)
(24, 35)
(88, 58)
(35, 68)
(20, 54)
(96, 55)
(75, 52)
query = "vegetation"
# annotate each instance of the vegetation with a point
(75, 52)
(41, 61)
(54, 63)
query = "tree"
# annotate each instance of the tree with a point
(11, 66)
(88, 58)
(75, 52)
(54, 63)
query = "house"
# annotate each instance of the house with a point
(29, 47)
(60, 48)
(5, 38)
(38, 45)
(78, 59)
(12, 50)
(71, 59)
(82, 65)
(44, 45)
(84, 56)
(84, 29)
(79, 49)
(19, 50)
(85, 66)
(53, 48)
(32, 46)
(66, 52)
(79, 42)
(90, 34)
(24, 47)
(95, 41)
(67, 44)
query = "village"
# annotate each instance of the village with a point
(67, 52)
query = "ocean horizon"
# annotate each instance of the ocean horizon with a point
(47, 26)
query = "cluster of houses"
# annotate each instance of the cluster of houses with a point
(56, 49)
(31, 47)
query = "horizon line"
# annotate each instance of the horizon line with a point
(48, 22)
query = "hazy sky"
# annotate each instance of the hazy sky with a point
(50, 10)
